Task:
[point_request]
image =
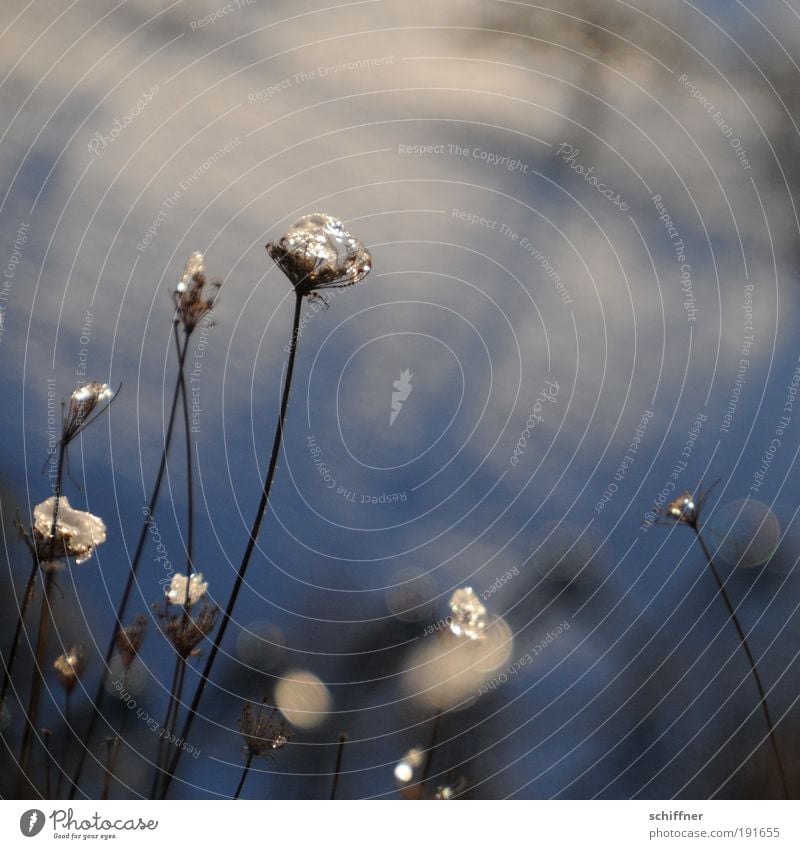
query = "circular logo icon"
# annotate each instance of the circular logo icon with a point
(31, 822)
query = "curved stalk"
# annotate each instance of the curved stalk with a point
(179, 674)
(27, 598)
(245, 773)
(750, 659)
(337, 770)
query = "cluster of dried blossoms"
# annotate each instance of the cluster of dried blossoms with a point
(76, 533)
(69, 667)
(683, 509)
(129, 641)
(186, 628)
(192, 303)
(83, 402)
(467, 614)
(58, 531)
(262, 733)
(317, 252)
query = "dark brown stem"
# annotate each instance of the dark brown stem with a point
(38, 677)
(111, 761)
(245, 773)
(126, 593)
(48, 782)
(67, 730)
(426, 770)
(337, 771)
(251, 543)
(27, 598)
(179, 673)
(750, 659)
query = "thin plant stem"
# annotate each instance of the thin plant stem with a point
(48, 782)
(38, 678)
(245, 773)
(337, 770)
(750, 659)
(27, 598)
(113, 746)
(434, 739)
(26, 751)
(165, 726)
(63, 758)
(126, 593)
(179, 674)
(251, 543)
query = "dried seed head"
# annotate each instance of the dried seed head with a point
(191, 303)
(83, 402)
(683, 509)
(185, 630)
(317, 252)
(452, 789)
(261, 732)
(406, 769)
(468, 617)
(70, 666)
(77, 533)
(186, 591)
(129, 640)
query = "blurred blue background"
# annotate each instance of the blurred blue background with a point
(455, 140)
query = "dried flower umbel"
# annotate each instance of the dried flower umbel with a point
(187, 591)
(70, 666)
(77, 533)
(129, 640)
(188, 627)
(83, 402)
(683, 509)
(192, 304)
(468, 617)
(261, 732)
(317, 252)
